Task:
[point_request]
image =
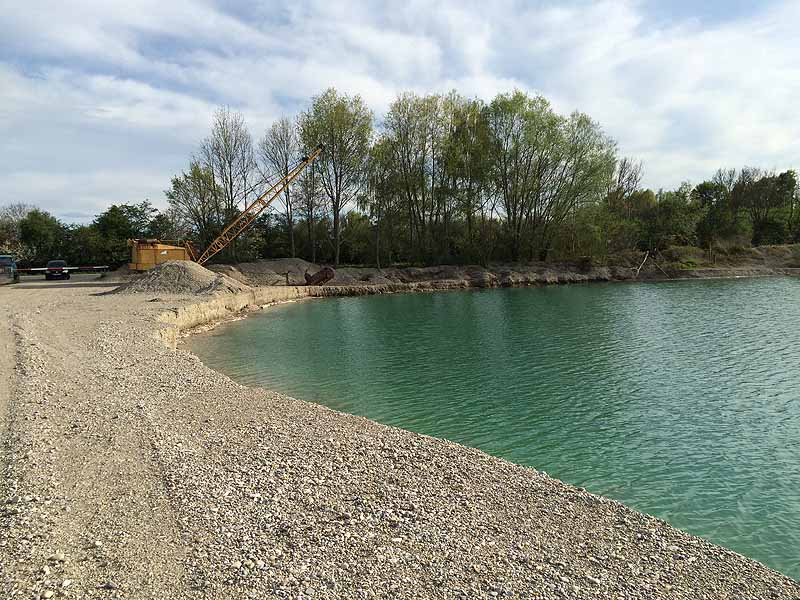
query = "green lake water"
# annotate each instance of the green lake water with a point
(680, 399)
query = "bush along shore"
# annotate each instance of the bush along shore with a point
(131, 470)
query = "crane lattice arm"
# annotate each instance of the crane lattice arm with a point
(241, 223)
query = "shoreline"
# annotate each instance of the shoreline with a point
(196, 486)
(258, 301)
(280, 272)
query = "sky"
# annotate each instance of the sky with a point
(104, 102)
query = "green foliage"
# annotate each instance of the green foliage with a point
(107, 242)
(196, 204)
(545, 166)
(356, 237)
(162, 227)
(43, 235)
(343, 124)
(37, 236)
(672, 220)
(769, 200)
(770, 231)
(446, 179)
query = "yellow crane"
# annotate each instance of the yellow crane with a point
(146, 254)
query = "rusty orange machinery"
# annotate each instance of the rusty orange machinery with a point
(146, 254)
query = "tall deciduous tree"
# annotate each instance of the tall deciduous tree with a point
(229, 155)
(10, 217)
(468, 164)
(195, 200)
(279, 150)
(544, 167)
(343, 124)
(415, 129)
(625, 183)
(381, 192)
(43, 234)
(768, 199)
(309, 194)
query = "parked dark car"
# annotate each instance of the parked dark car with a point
(56, 269)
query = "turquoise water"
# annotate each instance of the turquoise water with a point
(679, 399)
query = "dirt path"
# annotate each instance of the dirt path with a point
(81, 478)
(7, 358)
(7, 361)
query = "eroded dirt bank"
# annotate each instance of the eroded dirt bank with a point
(131, 470)
(674, 263)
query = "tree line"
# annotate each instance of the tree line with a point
(440, 179)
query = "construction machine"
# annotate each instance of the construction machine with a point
(146, 254)
(8, 269)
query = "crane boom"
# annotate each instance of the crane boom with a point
(241, 223)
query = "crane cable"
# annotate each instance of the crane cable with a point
(245, 218)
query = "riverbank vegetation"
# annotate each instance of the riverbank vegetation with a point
(437, 179)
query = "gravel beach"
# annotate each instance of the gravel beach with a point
(131, 470)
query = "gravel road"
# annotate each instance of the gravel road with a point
(133, 471)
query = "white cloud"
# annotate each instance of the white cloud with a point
(108, 100)
(685, 99)
(79, 197)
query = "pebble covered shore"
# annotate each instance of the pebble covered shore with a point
(130, 470)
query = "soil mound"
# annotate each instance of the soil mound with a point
(265, 272)
(182, 277)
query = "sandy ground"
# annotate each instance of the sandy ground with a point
(130, 470)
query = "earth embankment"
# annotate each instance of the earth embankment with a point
(673, 263)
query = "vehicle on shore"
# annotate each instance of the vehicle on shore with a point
(8, 268)
(56, 269)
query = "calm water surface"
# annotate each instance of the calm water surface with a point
(679, 399)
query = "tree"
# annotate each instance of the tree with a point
(10, 217)
(468, 164)
(279, 150)
(545, 167)
(586, 159)
(343, 124)
(194, 200)
(125, 221)
(165, 226)
(43, 234)
(794, 214)
(119, 223)
(518, 129)
(768, 199)
(309, 206)
(719, 219)
(86, 246)
(229, 156)
(672, 220)
(625, 183)
(414, 131)
(381, 190)
(356, 237)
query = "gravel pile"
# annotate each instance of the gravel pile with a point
(291, 271)
(132, 471)
(276, 272)
(268, 272)
(182, 277)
